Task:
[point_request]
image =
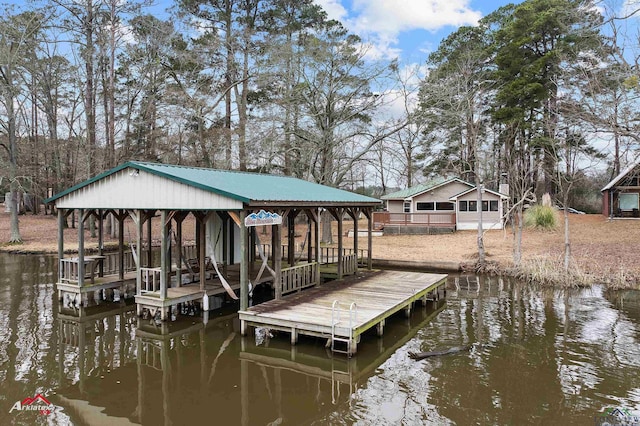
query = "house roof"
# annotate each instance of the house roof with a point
(248, 188)
(422, 188)
(621, 175)
(455, 197)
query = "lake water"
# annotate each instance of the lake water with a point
(539, 357)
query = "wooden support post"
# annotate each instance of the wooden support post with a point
(150, 214)
(202, 237)
(244, 263)
(276, 230)
(407, 310)
(316, 239)
(354, 216)
(163, 257)
(60, 243)
(252, 246)
(340, 243)
(291, 237)
(80, 247)
(380, 328)
(100, 241)
(139, 228)
(369, 214)
(179, 219)
(294, 336)
(121, 217)
(225, 243)
(309, 240)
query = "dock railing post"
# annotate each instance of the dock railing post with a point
(244, 263)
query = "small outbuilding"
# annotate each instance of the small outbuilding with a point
(621, 196)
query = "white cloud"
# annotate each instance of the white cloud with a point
(334, 9)
(379, 22)
(388, 18)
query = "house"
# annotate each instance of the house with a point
(621, 196)
(440, 204)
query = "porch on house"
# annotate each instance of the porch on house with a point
(414, 223)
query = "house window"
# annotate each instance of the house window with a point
(485, 206)
(445, 206)
(493, 206)
(462, 206)
(407, 206)
(628, 201)
(473, 206)
(425, 206)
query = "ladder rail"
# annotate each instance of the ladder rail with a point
(335, 319)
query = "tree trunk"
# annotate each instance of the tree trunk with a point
(327, 236)
(517, 236)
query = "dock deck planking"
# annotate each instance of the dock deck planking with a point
(377, 296)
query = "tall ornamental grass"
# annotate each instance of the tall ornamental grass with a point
(541, 217)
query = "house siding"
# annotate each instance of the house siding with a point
(490, 220)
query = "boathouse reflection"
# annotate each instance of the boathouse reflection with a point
(194, 369)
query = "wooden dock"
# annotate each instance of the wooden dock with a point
(342, 310)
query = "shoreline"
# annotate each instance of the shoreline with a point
(603, 251)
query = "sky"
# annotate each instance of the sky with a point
(407, 29)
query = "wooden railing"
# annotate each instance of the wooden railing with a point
(330, 255)
(298, 277)
(349, 264)
(150, 280)
(436, 220)
(111, 262)
(70, 269)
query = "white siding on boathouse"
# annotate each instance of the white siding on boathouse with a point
(137, 189)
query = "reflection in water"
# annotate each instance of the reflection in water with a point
(538, 357)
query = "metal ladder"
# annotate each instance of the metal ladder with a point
(335, 320)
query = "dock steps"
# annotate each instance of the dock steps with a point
(335, 320)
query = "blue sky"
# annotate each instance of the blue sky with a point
(407, 29)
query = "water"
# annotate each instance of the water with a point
(540, 357)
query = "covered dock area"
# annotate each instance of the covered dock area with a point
(227, 258)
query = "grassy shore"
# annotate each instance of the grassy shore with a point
(603, 251)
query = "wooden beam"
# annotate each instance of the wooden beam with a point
(120, 217)
(139, 219)
(369, 215)
(149, 216)
(100, 242)
(354, 213)
(61, 218)
(164, 268)
(244, 263)
(80, 247)
(277, 259)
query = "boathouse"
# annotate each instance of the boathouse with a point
(228, 254)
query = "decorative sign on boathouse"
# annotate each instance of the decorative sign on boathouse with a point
(263, 218)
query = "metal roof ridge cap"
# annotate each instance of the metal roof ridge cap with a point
(196, 184)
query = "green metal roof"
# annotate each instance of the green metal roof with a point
(242, 186)
(420, 188)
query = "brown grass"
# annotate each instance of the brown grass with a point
(602, 250)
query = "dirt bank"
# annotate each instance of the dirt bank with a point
(602, 250)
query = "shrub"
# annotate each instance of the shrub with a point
(541, 217)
